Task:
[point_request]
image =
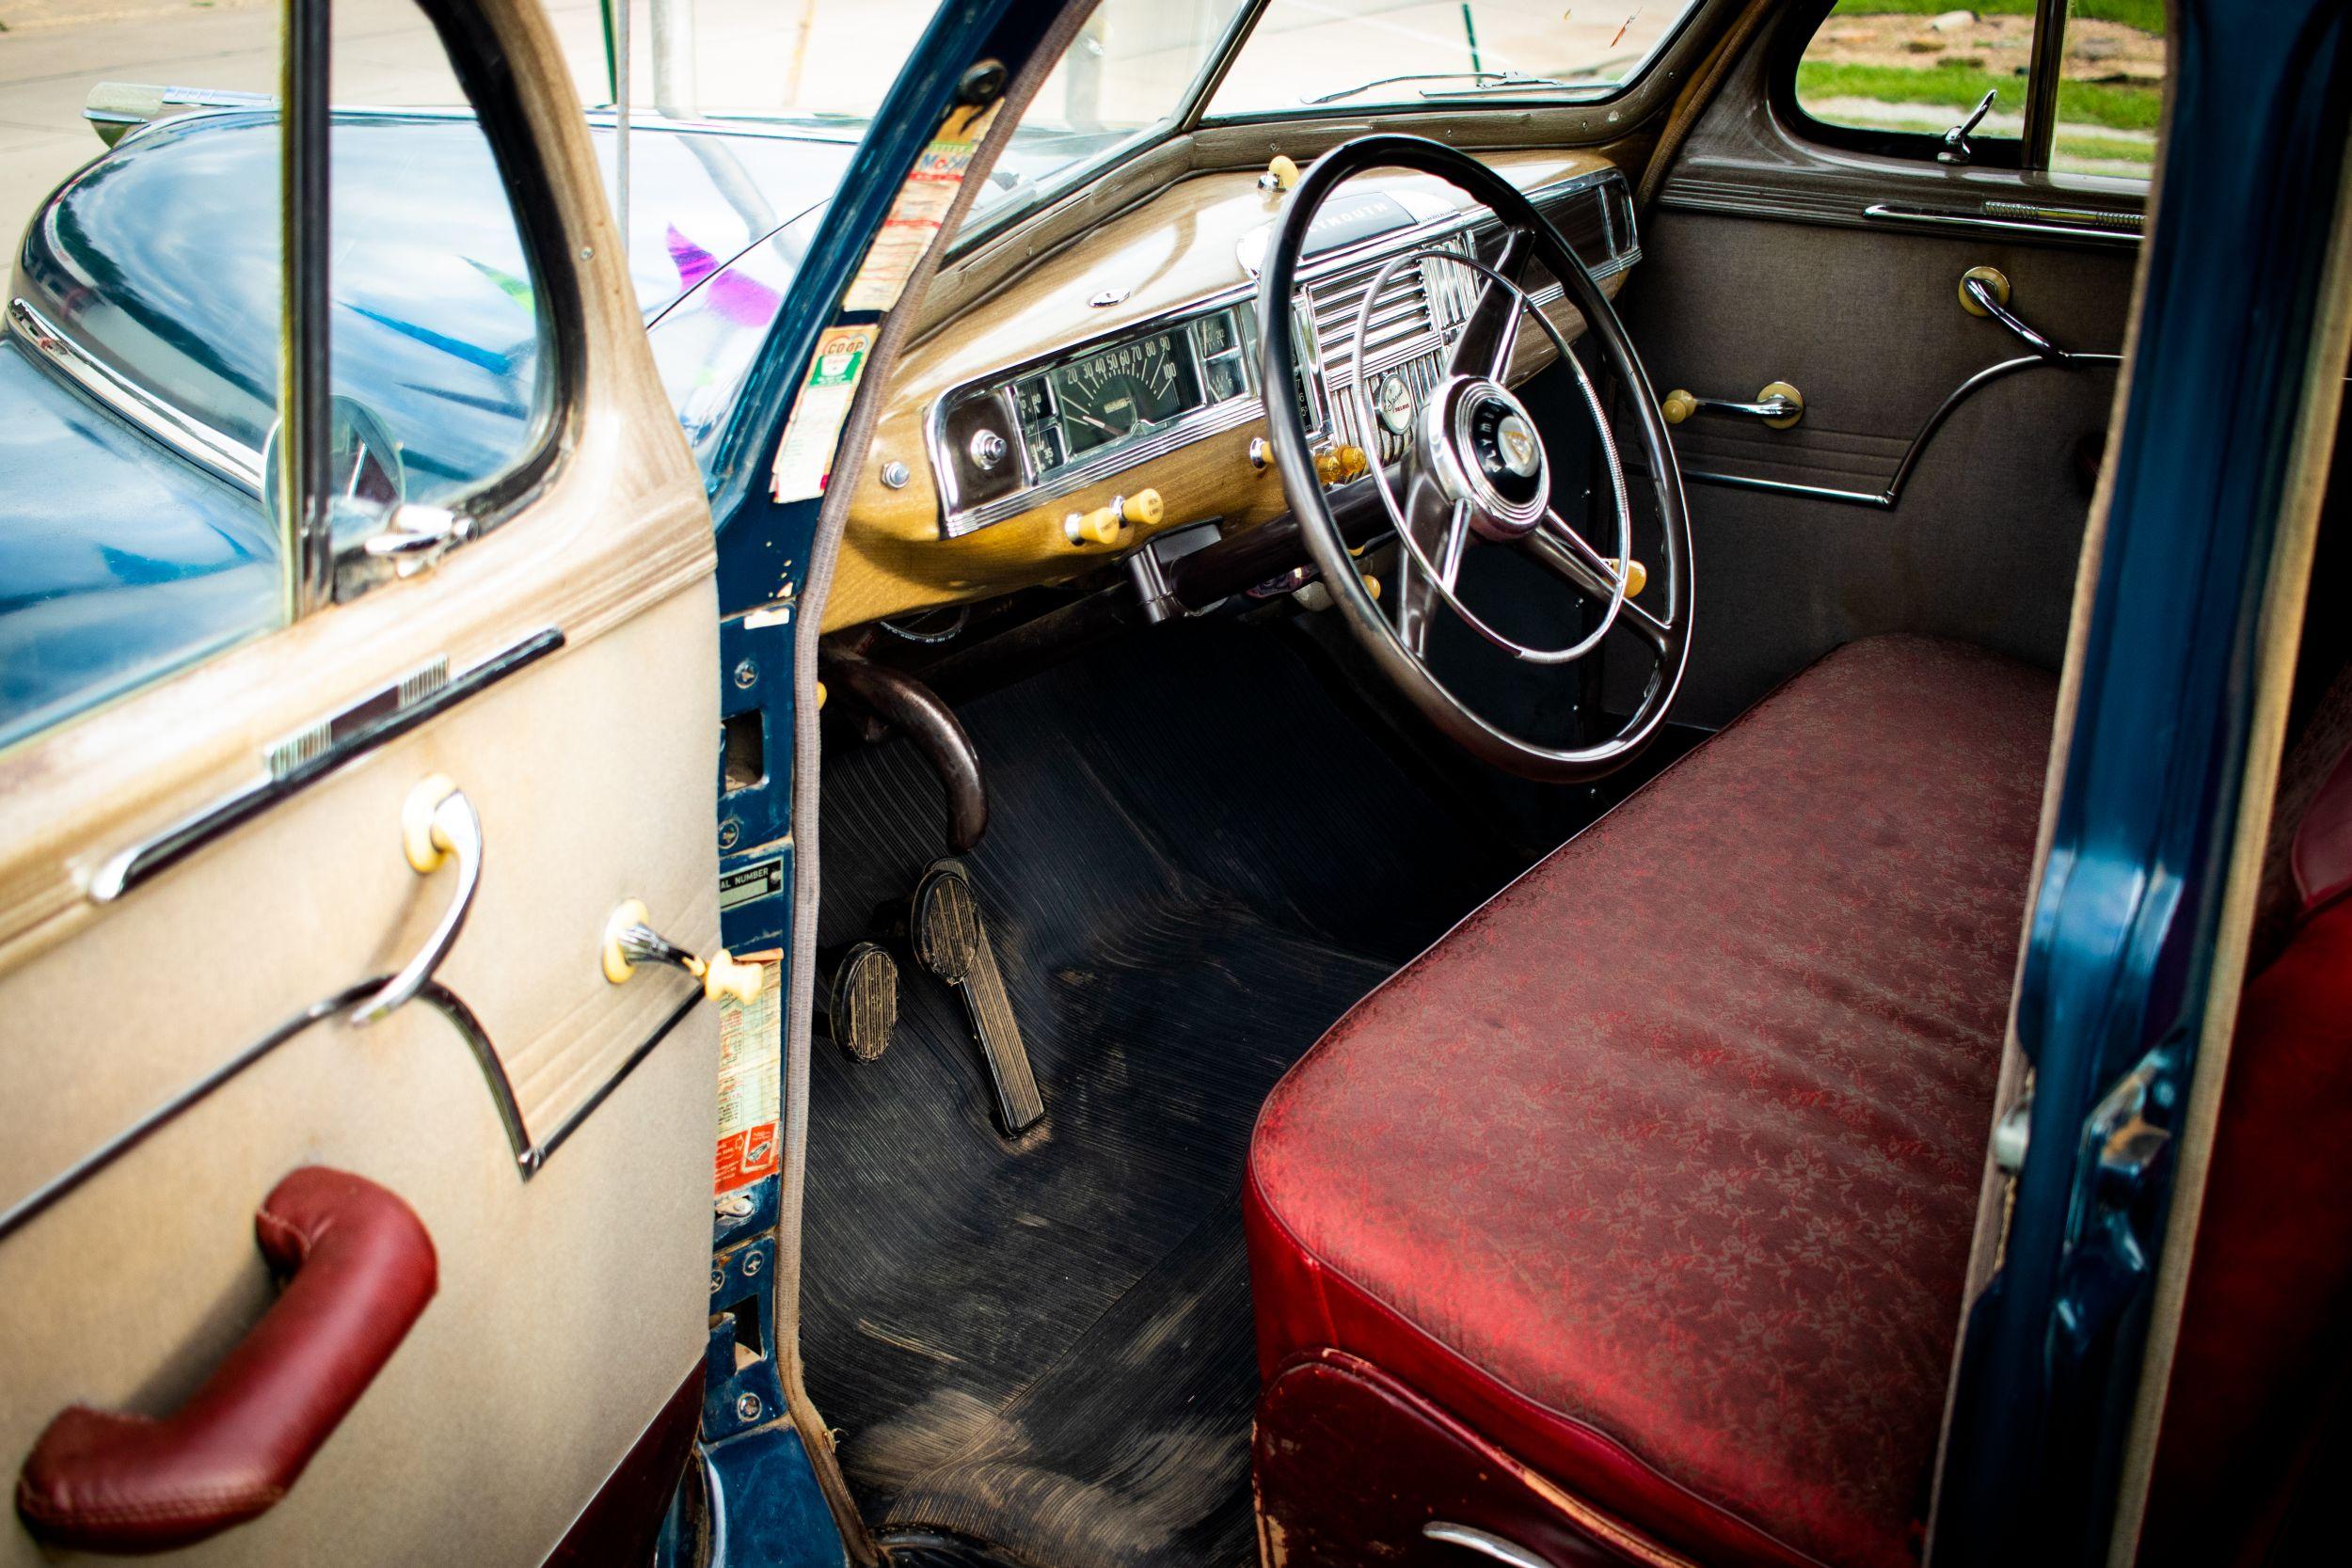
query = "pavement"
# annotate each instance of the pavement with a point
(823, 55)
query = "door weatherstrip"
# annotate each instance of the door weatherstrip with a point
(150, 857)
(1886, 499)
(529, 1156)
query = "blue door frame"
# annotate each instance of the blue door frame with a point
(2120, 954)
(761, 1481)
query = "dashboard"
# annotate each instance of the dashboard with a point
(1129, 360)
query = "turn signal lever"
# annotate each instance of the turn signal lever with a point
(628, 942)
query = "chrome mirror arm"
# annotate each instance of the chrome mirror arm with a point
(1956, 149)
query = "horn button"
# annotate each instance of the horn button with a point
(1485, 451)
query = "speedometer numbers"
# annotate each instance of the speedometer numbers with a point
(1123, 390)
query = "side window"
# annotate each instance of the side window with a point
(144, 519)
(2111, 93)
(436, 318)
(2070, 85)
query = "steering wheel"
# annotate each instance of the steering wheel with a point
(1475, 470)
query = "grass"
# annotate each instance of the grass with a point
(2146, 15)
(2115, 105)
(2101, 150)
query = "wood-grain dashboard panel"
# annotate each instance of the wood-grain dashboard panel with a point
(1173, 250)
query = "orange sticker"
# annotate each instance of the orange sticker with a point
(750, 1080)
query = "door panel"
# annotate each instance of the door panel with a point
(571, 1300)
(1762, 263)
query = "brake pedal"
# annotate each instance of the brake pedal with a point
(862, 1000)
(951, 941)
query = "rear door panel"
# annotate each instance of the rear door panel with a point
(1762, 263)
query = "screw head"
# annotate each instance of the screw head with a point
(746, 673)
(729, 831)
(896, 475)
(747, 1407)
(752, 1263)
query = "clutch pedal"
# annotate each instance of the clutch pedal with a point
(951, 941)
(862, 1000)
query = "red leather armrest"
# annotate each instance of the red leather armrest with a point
(361, 1270)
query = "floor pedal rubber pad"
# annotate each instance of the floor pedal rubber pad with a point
(951, 941)
(862, 1000)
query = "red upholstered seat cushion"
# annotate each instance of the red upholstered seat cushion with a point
(1660, 1170)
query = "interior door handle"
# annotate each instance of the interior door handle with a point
(1779, 404)
(436, 822)
(360, 1269)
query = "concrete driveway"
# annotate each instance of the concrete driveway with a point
(835, 54)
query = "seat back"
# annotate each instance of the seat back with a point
(2261, 1362)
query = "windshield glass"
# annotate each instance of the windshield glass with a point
(1127, 73)
(1308, 54)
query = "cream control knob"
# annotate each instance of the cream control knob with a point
(1678, 406)
(1636, 576)
(628, 942)
(1107, 525)
(1280, 175)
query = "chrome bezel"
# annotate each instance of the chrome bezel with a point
(1212, 419)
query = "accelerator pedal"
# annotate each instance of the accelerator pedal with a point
(862, 1000)
(951, 941)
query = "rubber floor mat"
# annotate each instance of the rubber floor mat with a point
(1194, 864)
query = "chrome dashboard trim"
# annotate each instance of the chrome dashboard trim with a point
(200, 443)
(956, 521)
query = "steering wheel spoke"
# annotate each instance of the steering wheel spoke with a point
(1440, 530)
(1559, 548)
(1491, 334)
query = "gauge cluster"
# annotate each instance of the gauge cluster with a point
(1129, 388)
(1008, 442)
(1099, 406)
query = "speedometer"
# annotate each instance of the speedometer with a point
(1124, 389)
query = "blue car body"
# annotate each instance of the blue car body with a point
(138, 381)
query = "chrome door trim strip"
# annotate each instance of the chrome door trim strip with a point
(191, 438)
(530, 1157)
(2045, 223)
(1885, 499)
(150, 857)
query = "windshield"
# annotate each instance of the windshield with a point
(1136, 65)
(1310, 55)
(1127, 74)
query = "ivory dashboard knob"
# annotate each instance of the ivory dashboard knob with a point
(1352, 462)
(1280, 175)
(1327, 464)
(1101, 526)
(1678, 406)
(1107, 525)
(1143, 509)
(1636, 576)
